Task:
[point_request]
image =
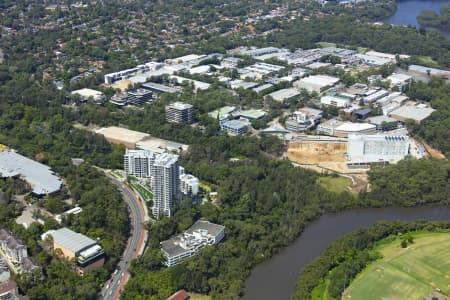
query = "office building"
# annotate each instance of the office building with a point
(166, 184)
(377, 148)
(72, 245)
(179, 112)
(187, 244)
(234, 127)
(138, 163)
(139, 96)
(303, 119)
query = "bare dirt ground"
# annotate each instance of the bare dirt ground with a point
(436, 154)
(308, 152)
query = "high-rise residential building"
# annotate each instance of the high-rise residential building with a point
(138, 163)
(179, 112)
(166, 184)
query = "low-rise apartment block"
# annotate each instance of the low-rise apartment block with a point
(200, 234)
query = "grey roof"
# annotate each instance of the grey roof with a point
(39, 176)
(378, 120)
(412, 112)
(212, 228)
(71, 240)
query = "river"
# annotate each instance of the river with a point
(408, 10)
(275, 279)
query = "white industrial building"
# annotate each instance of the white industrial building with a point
(316, 83)
(166, 184)
(41, 178)
(348, 128)
(399, 81)
(377, 148)
(284, 94)
(200, 234)
(336, 101)
(85, 94)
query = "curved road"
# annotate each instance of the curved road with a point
(135, 244)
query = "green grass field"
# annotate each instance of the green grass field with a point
(421, 269)
(335, 184)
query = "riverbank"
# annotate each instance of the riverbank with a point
(277, 277)
(408, 11)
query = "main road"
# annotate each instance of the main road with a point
(135, 245)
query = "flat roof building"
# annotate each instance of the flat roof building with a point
(160, 88)
(433, 72)
(328, 127)
(252, 114)
(85, 94)
(303, 119)
(179, 112)
(416, 113)
(88, 254)
(376, 148)
(200, 234)
(234, 127)
(41, 178)
(347, 128)
(336, 101)
(383, 122)
(284, 94)
(316, 83)
(222, 113)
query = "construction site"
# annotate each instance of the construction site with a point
(325, 155)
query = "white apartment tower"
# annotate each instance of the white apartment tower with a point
(138, 163)
(179, 112)
(166, 184)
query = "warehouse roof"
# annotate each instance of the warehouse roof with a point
(378, 120)
(415, 113)
(320, 80)
(253, 114)
(70, 240)
(39, 176)
(284, 94)
(349, 127)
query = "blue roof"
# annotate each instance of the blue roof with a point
(234, 124)
(363, 112)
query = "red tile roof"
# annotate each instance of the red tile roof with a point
(7, 286)
(180, 295)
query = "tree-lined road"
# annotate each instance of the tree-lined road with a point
(135, 244)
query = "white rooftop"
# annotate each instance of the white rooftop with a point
(39, 176)
(355, 127)
(70, 240)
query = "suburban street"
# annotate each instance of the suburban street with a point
(135, 244)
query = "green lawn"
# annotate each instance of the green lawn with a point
(145, 193)
(406, 273)
(426, 60)
(335, 184)
(325, 44)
